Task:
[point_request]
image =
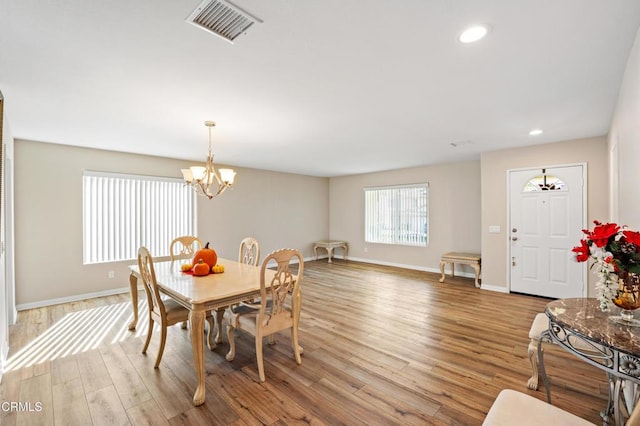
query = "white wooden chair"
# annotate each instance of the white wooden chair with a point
(249, 254)
(277, 310)
(517, 408)
(184, 247)
(539, 325)
(164, 312)
(249, 251)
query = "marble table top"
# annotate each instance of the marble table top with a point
(584, 317)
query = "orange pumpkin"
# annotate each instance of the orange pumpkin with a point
(207, 255)
(201, 269)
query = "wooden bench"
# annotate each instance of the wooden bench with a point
(329, 245)
(472, 259)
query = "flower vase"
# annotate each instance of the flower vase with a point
(627, 298)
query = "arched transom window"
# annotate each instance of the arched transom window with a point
(545, 182)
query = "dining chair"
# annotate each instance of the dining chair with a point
(249, 251)
(277, 310)
(184, 247)
(165, 312)
(249, 254)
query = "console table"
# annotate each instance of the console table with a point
(472, 259)
(329, 245)
(580, 327)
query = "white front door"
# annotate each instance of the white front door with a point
(546, 221)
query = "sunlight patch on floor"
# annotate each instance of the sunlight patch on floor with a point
(80, 331)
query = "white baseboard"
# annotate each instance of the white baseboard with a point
(73, 298)
(495, 288)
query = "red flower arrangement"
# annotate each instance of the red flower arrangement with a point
(616, 254)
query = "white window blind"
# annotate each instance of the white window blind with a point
(397, 214)
(123, 212)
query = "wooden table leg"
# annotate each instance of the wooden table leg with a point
(315, 250)
(133, 291)
(196, 325)
(330, 252)
(345, 248)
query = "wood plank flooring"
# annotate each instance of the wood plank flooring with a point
(382, 346)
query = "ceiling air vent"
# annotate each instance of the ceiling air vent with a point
(222, 18)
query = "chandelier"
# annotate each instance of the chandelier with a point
(202, 178)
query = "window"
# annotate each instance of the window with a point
(545, 183)
(397, 215)
(123, 212)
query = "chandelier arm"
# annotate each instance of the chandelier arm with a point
(221, 189)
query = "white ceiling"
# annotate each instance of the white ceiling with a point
(324, 88)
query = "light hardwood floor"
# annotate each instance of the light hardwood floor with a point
(382, 345)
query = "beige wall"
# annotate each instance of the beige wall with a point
(624, 144)
(495, 164)
(277, 208)
(454, 213)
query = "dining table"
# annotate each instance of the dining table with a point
(579, 326)
(199, 294)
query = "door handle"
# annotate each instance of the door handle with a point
(514, 238)
(513, 261)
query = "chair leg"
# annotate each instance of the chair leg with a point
(271, 339)
(296, 347)
(184, 324)
(163, 340)
(232, 343)
(210, 341)
(259, 357)
(532, 351)
(219, 316)
(149, 332)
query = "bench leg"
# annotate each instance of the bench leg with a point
(532, 351)
(330, 252)
(476, 268)
(442, 271)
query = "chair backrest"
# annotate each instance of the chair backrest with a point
(148, 275)
(249, 251)
(284, 282)
(184, 247)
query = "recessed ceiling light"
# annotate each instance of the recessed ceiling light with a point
(473, 34)
(535, 132)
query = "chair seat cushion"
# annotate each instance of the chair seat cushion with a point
(175, 312)
(512, 407)
(248, 308)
